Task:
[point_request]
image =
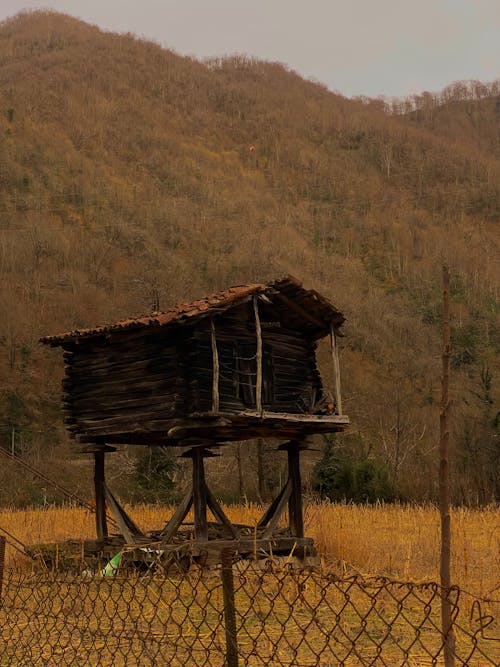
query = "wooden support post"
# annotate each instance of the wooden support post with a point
(226, 558)
(100, 496)
(336, 370)
(3, 542)
(199, 495)
(295, 512)
(258, 330)
(215, 365)
(444, 484)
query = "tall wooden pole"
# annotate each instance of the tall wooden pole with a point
(226, 560)
(444, 484)
(3, 542)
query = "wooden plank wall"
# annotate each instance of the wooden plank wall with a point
(137, 382)
(116, 386)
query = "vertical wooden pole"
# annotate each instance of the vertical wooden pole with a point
(336, 370)
(199, 495)
(444, 484)
(215, 365)
(100, 497)
(295, 514)
(258, 330)
(229, 607)
(2, 563)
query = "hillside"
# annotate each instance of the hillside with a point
(465, 112)
(126, 182)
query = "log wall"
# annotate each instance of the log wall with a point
(137, 383)
(124, 385)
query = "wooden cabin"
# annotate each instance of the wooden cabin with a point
(236, 365)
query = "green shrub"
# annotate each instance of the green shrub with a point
(340, 477)
(154, 476)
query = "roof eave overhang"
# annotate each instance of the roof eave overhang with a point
(319, 325)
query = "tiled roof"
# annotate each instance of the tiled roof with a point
(321, 311)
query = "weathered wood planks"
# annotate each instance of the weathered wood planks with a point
(134, 385)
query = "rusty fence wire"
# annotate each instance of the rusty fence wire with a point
(242, 613)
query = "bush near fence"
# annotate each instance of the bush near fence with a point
(237, 614)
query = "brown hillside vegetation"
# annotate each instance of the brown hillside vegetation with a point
(126, 181)
(465, 111)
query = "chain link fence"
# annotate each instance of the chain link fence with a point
(242, 613)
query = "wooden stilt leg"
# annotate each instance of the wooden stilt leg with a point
(100, 496)
(199, 495)
(295, 514)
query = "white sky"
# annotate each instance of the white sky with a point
(358, 47)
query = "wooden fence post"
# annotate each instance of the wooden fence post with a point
(444, 485)
(2, 562)
(226, 558)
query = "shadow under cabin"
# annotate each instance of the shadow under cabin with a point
(233, 366)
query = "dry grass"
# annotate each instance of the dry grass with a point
(400, 541)
(116, 625)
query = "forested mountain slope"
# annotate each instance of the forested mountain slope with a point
(127, 181)
(465, 111)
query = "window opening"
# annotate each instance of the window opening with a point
(245, 374)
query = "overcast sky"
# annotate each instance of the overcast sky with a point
(358, 47)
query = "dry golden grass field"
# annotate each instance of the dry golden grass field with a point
(110, 623)
(400, 541)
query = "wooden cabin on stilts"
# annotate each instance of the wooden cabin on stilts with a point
(237, 365)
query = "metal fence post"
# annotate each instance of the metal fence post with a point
(2, 562)
(229, 607)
